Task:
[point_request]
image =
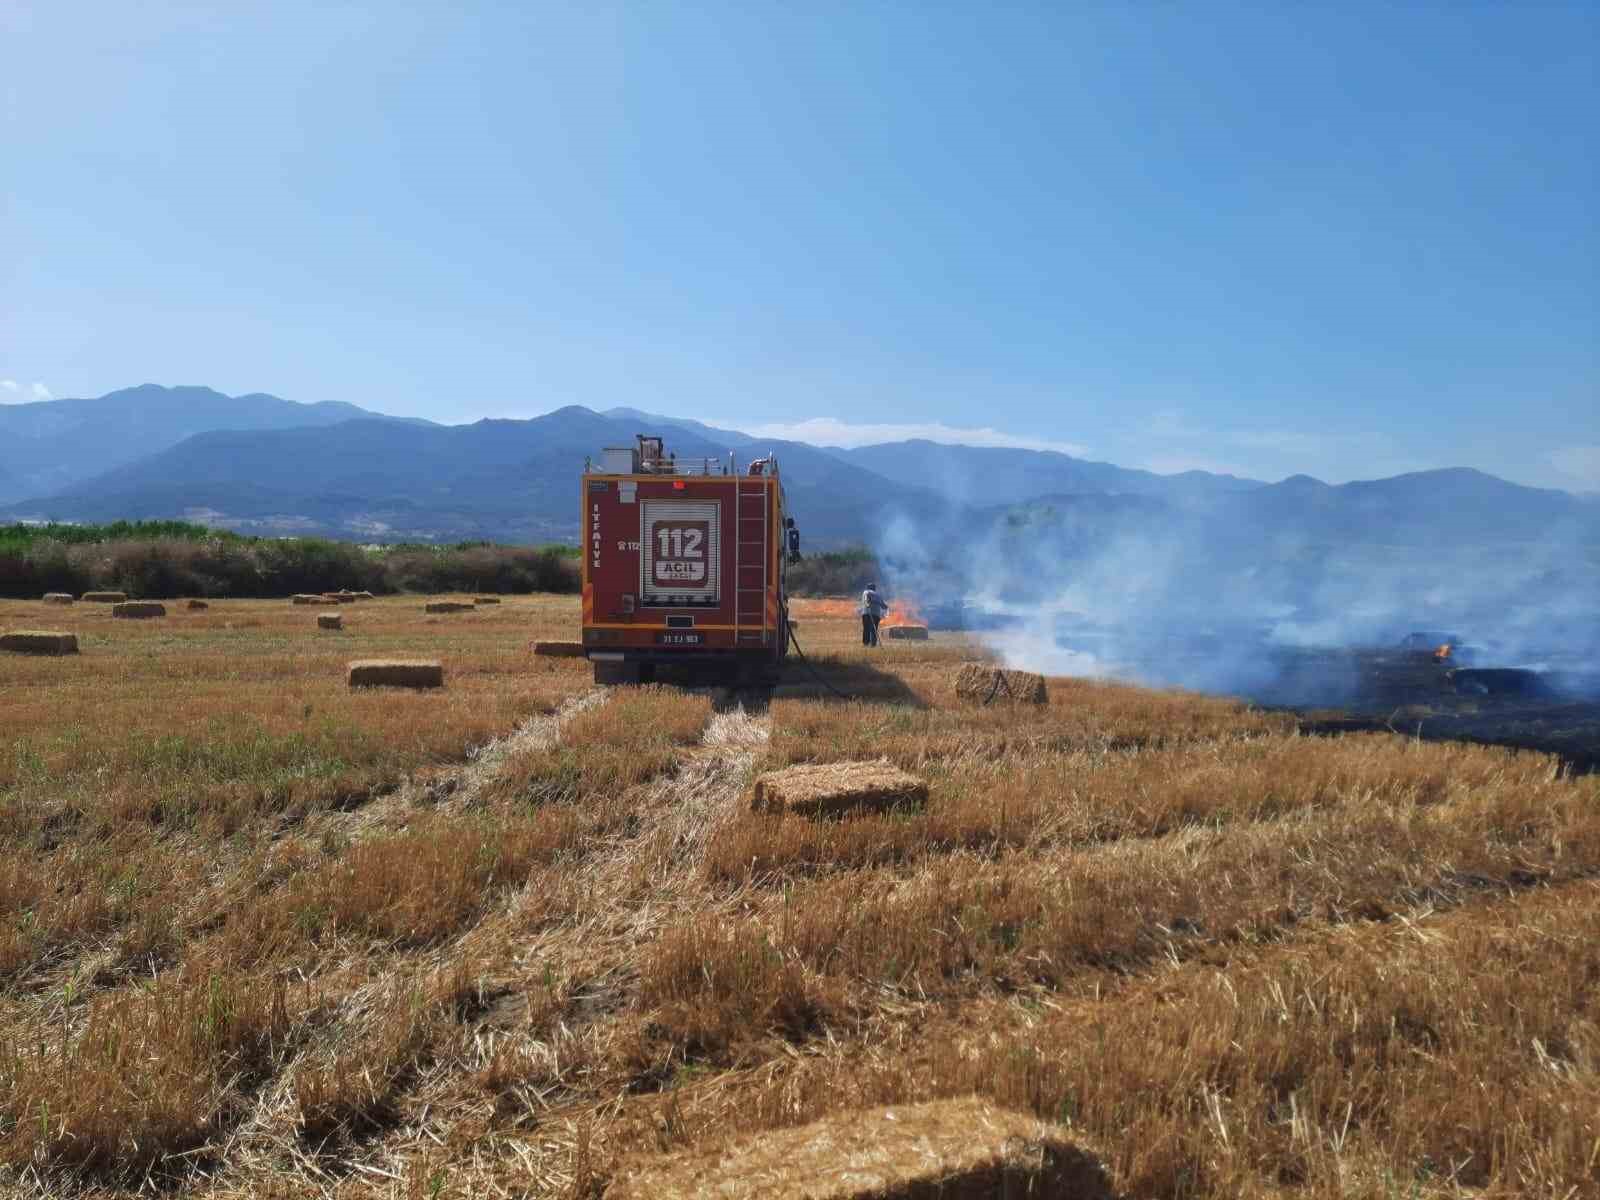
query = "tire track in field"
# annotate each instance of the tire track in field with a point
(629, 889)
(264, 1139)
(631, 886)
(459, 787)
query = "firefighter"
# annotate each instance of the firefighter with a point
(872, 609)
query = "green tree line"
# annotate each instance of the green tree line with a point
(175, 558)
(178, 558)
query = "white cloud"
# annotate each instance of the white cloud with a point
(12, 392)
(1578, 462)
(826, 431)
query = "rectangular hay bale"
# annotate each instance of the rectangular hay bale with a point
(38, 641)
(340, 597)
(962, 1149)
(558, 649)
(446, 606)
(138, 609)
(330, 621)
(378, 672)
(827, 789)
(980, 684)
(911, 633)
(58, 598)
(104, 597)
(197, 605)
(486, 599)
(310, 598)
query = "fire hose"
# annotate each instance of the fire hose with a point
(999, 685)
(815, 674)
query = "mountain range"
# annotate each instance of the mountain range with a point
(257, 463)
(49, 446)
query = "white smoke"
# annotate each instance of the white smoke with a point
(1134, 591)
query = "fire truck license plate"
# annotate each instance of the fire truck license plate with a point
(679, 639)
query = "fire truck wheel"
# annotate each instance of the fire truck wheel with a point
(757, 675)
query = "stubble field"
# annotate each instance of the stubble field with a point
(262, 935)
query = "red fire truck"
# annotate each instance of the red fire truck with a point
(684, 565)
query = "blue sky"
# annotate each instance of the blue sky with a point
(1341, 239)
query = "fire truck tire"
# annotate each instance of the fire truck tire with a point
(759, 674)
(613, 674)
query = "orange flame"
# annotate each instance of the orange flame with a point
(902, 612)
(1442, 654)
(823, 608)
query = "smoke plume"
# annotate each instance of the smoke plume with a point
(1261, 595)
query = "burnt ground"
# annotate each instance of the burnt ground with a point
(1551, 711)
(1571, 731)
(1470, 697)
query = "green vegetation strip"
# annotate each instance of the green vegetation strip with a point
(163, 559)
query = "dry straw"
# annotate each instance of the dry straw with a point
(138, 609)
(39, 641)
(446, 606)
(393, 673)
(58, 597)
(907, 633)
(330, 621)
(963, 1149)
(105, 597)
(992, 685)
(826, 789)
(559, 649)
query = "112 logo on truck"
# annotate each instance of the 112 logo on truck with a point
(679, 561)
(680, 552)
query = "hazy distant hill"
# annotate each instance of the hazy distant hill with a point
(1429, 517)
(47, 446)
(978, 475)
(647, 422)
(835, 487)
(992, 475)
(383, 479)
(337, 470)
(1440, 509)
